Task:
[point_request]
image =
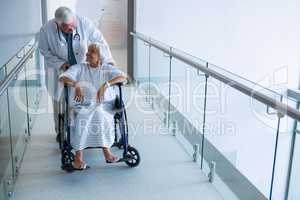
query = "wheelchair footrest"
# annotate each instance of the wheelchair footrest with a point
(126, 158)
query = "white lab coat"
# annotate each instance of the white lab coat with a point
(55, 50)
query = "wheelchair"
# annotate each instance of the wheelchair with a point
(131, 155)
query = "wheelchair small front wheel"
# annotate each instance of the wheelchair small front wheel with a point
(133, 157)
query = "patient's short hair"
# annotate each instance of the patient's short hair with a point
(97, 47)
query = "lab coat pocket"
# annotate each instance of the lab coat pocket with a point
(63, 51)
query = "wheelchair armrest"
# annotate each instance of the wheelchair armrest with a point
(119, 101)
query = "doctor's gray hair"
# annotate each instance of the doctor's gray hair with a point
(64, 15)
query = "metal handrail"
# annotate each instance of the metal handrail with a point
(259, 96)
(16, 55)
(17, 69)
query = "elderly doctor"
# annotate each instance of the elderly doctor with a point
(64, 42)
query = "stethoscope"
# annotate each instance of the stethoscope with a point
(75, 37)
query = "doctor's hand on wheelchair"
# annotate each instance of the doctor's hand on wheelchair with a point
(65, 66)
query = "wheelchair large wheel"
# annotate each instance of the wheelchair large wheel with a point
(66, 160)
(60, 135)
(133, 157)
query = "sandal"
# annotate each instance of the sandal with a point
(83, 168)
(114, 159)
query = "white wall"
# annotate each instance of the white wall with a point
(20, 20)
(252, 38)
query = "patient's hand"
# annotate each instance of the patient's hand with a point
(79, 93)
(100, 93)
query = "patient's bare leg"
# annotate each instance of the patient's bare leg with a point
(108, 155)
(78, 163)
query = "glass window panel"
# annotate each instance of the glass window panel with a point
(18, 117)
(243, 133)
(159, 81)
(6, 173)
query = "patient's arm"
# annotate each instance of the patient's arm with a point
(79, 93)
(118, 79)
(67, 81)
(100, 93)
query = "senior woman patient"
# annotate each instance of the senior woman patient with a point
(91, 111)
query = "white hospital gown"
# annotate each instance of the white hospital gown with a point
(92, 123)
